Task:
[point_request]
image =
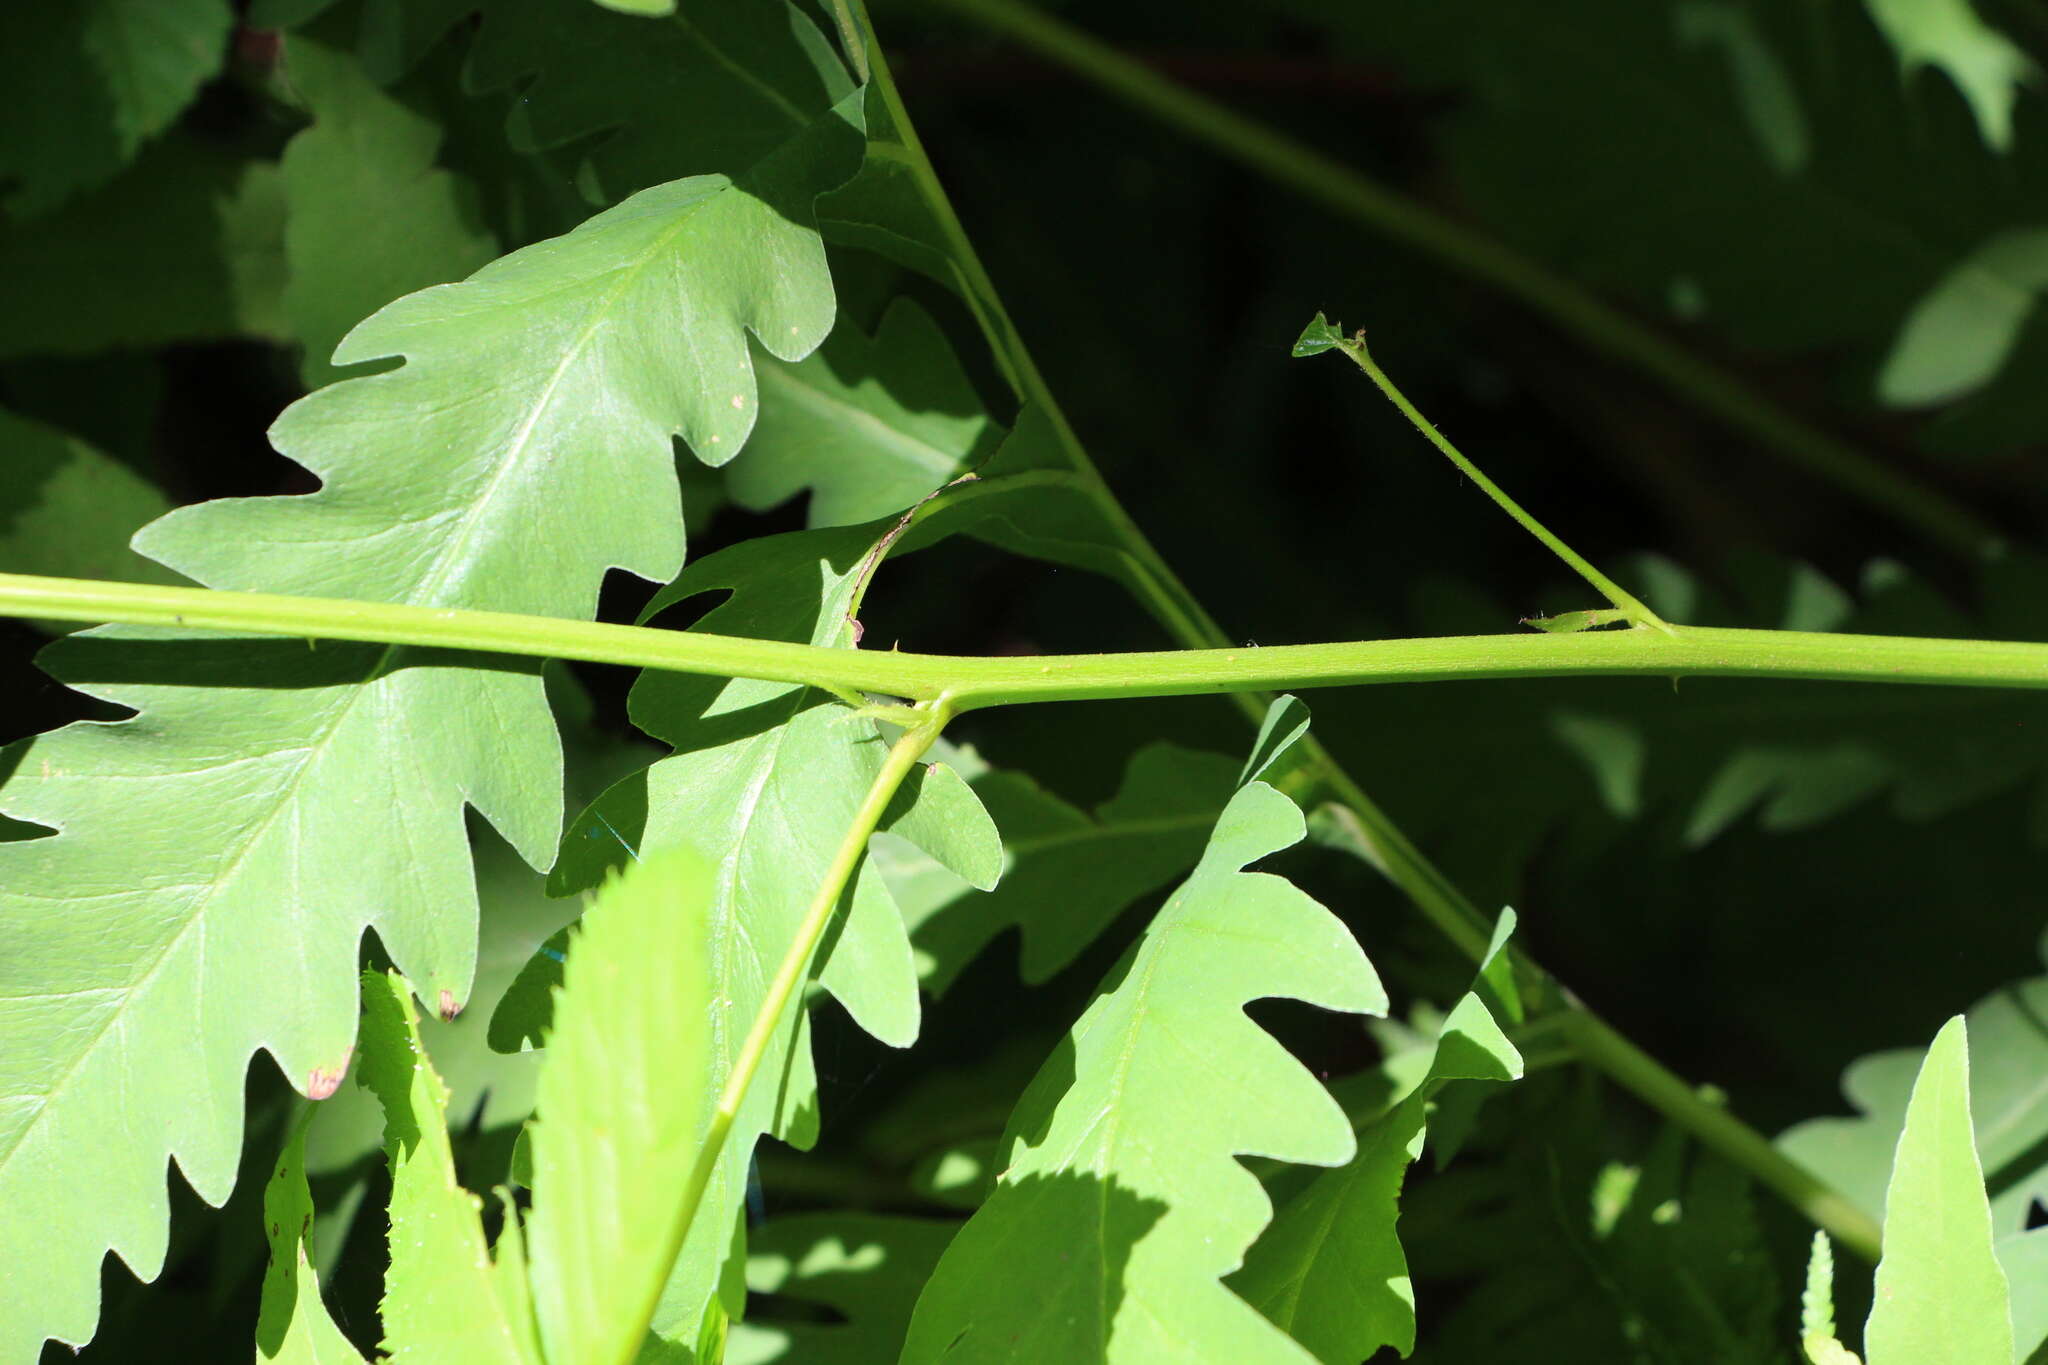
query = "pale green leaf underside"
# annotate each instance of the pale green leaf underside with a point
(488, 1089)
(1940, 1292)
(1122, 1205)
(620, 1097)
(765, 782)
(221, 853)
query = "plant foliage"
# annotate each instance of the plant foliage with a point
(908, 1019)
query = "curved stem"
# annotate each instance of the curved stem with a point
(795, 967)
(1604, 329)
(1623, 602)
(967, 683)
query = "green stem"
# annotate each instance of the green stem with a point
(795, 967)
(1602, 328)
(1152, 580)
(851, 39)
(969, 683)
(1624, 602)
(1367, 828)
(1598, 1043)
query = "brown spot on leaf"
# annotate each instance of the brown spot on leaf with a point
(325, 1080)
(449, 1006)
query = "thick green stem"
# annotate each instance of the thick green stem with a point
(795, 967)
(1623, 602)
(969, 683)
(1604, 329)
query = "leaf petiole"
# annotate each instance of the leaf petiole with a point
(795, 968)
(1320, 335)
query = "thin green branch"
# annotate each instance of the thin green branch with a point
(970, 683)
(1370, 830)
(1598, 1043)
(1631, 610)
(1604, 329)
(1152, 581)
(795, 967)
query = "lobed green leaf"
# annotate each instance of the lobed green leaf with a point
(1120, 1205)
(764, 782)
(534, 413)
(1067, 874)
(870, 426)
(1330, 1271)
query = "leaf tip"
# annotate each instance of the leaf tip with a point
(448, 1006)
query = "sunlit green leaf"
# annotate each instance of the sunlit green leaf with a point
(1941, 1294)
(1067, 874)
(625, 1081)
(764, 782)
(1121, 1204)
(522, 450)
(441, 1300)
